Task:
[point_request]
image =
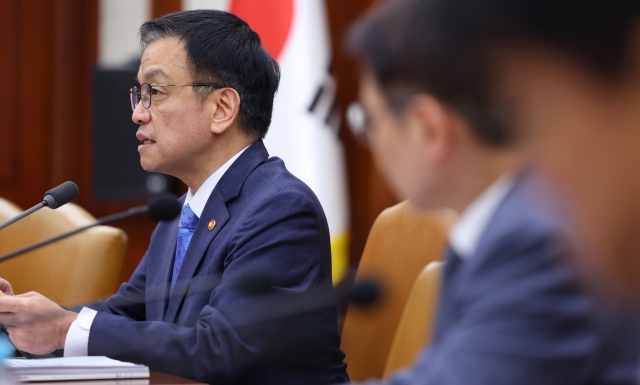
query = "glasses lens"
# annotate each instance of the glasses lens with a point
(357, 118)
(359, 123)
(145, 95)
(134, 97)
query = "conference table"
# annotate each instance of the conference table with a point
(156, 378)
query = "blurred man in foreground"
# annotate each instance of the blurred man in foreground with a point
(566, 73)
(511, 309)
(203, 106)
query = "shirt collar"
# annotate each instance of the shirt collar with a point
(198, 200)
(468, 230)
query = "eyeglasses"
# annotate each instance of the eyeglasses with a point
(144, 92)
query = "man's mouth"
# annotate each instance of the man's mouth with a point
(148, 141)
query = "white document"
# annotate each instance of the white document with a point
(73, 368)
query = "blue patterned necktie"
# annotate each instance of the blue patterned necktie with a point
(186, 227)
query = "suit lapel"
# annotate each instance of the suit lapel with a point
(215, 209)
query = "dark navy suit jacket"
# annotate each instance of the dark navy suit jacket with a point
(215, 329)
(514, 314)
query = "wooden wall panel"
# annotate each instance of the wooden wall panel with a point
(160, 8)
(8, 101)
(68, 86)
(368, 193)
(35, 97)
(46, 78)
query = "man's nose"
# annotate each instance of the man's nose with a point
(140, 115)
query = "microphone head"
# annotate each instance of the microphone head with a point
(365, 292)
(164, 208)
(61, 195)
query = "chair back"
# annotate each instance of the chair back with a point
(80, 269)
(8, 210)
(402, 241)
(418, 319)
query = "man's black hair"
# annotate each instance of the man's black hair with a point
(223, 49)
(446, 47)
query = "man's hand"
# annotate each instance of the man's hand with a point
(5, 287)
(35, 324)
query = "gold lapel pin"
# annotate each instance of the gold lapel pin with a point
(212, 224)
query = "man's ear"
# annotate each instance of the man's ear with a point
(225, 108)
(433, 126)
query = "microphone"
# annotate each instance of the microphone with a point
(160, 209)
(61, 195)
(295, 311)
(364, 292)
(54, 198)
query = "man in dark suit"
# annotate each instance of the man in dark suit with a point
(511, 310)
(566, 72)
(192, 307)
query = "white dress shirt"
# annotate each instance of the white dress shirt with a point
(77, 341)
(473, 222)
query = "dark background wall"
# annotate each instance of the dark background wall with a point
(49, 50)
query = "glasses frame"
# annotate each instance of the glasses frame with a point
(136, 92)
(359, 123)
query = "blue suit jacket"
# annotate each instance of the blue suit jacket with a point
(513, 312)
(211, 329)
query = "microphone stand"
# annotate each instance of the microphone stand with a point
(22, 215)
(54, 198)
(110, 218)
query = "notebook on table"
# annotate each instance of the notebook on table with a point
(73, 368)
